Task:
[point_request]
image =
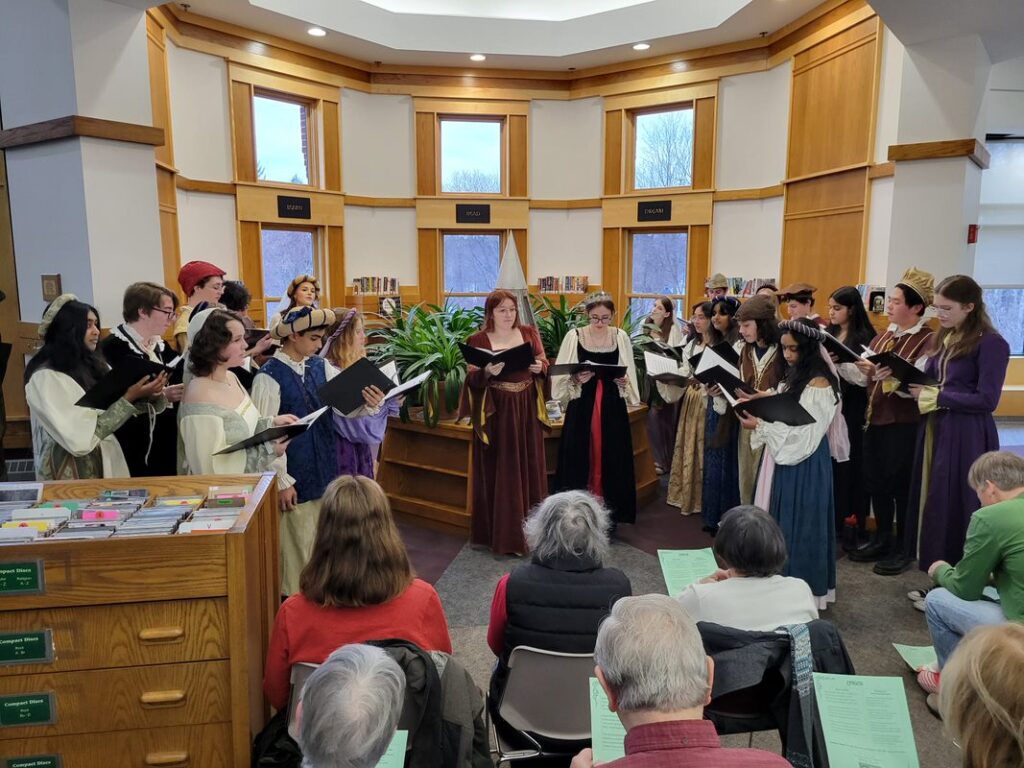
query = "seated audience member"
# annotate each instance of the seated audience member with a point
(652, 666)
(748, 591)
(358, 585)
(556, 601)
(993, 553)
(350, 708)
(981, 700)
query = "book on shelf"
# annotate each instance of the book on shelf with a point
(381, 284)
(566, 284)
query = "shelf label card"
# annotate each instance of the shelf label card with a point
(26, 647)
(37, 761)
(21, 578)
(27, 709)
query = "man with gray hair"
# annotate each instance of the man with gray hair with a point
(993, 555)
(651, 663)
(350, 707)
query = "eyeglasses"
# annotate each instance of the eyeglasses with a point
(167, 312)
(600, 318)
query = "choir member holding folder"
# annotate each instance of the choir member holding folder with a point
(216, 411)
(686, 477)
(664, 400)
(795, 480)
(596, 449)
(358, 433)
(72, 441)
(290, 382)
(505, 402)
(149, 440)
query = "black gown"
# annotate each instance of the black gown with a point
(618, 486)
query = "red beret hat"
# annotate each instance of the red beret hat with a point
(193, 273)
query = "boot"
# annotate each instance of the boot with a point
(880, 548)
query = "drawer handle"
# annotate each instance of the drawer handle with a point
(161, 634)
(167, 758)
(162, 698)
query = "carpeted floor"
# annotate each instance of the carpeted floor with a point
(872, 612)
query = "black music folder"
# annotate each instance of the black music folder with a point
(725, 351)
(903, 370)
(345, 391)
(517, 358)
(842, 352)
(604, 370)
(782, 408)
(109, 389)
(276, 433)
(253, 335)
(717, 375)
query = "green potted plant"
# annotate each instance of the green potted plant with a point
(426, 338)
(554, 321)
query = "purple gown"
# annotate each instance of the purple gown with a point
(953, 437)
(359, 438)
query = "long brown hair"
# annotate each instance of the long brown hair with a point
(963, 290)
(494, 299)
(341, 348)
(358, 557)
(980, 696)
(666, 325)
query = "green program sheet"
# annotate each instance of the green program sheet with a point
(683, 567)
(394, 755)
(607, 734)
(917, 656)
(865, 721)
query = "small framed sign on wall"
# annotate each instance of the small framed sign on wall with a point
(293, 207)
(654, 210)
(472, 213)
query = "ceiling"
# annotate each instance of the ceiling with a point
(513, 34)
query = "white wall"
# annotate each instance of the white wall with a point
(566, 149)
(124, 224)
(746, 238)
(207, 229)
(753, 122)
(888, 95)
(378, 156)
(999, 259)
(381, 241)
(565, 242)
(1004, 101)
(200, 114)
(879, 230)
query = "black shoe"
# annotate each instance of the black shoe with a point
(893, 567)
(871, 553)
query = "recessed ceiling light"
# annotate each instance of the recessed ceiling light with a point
(316, 32)
(641, 46)
(478, 57)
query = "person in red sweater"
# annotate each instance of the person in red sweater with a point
(357, 586)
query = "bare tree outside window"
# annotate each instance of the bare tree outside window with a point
(1006, 308)
(286, 253)
(470, 267)
(664, 149)
(658, 269)
(471, 156)
(282, 150)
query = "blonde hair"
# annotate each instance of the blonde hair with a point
(358, 557)
(980, 696)
(342, 351)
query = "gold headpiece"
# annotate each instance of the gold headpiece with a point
(920, 282)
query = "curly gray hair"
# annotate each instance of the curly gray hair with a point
(569, 524)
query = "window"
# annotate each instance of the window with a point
(286, 253)
(470, 267)
(657, 268)
(1005, 306)
(282, 129)
(471, 152)
(663, 148)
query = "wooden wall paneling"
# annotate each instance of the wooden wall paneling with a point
(242, 130)
(170, 244)
(826, 193)
(613, 266)
(250, 268)
(704, 127)
(614, 130)
(78, 125)
(334, 258)
(430, 267)
(158, 91)
(332, 145)
(687, 208)
(439, 213)
(518, 156)
(927, 150)
(522, 240)
(258, 202)
(833, 102)
(426, 151)
(698, 263)
(10, 325)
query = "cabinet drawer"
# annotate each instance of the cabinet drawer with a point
(134, 634)
(197, 746)
(122, 699)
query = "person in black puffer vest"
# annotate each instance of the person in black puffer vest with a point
(557, 600)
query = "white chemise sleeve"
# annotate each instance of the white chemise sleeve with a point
(791, 445)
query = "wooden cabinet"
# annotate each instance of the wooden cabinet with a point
(158, 642)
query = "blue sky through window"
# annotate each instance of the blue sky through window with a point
(280, 133)
(471, 156)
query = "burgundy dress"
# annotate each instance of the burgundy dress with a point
(953, 437)
(509, 470)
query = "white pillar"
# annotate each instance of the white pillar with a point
(84, 208)
(934, 200)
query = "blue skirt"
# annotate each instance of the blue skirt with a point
(803, 506)
(721, 489)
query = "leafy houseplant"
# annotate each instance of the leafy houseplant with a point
(422, 340)
(554, 321)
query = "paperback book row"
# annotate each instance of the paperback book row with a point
(744, 287)
(567, 284)
(375, 284)
(24, 518)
